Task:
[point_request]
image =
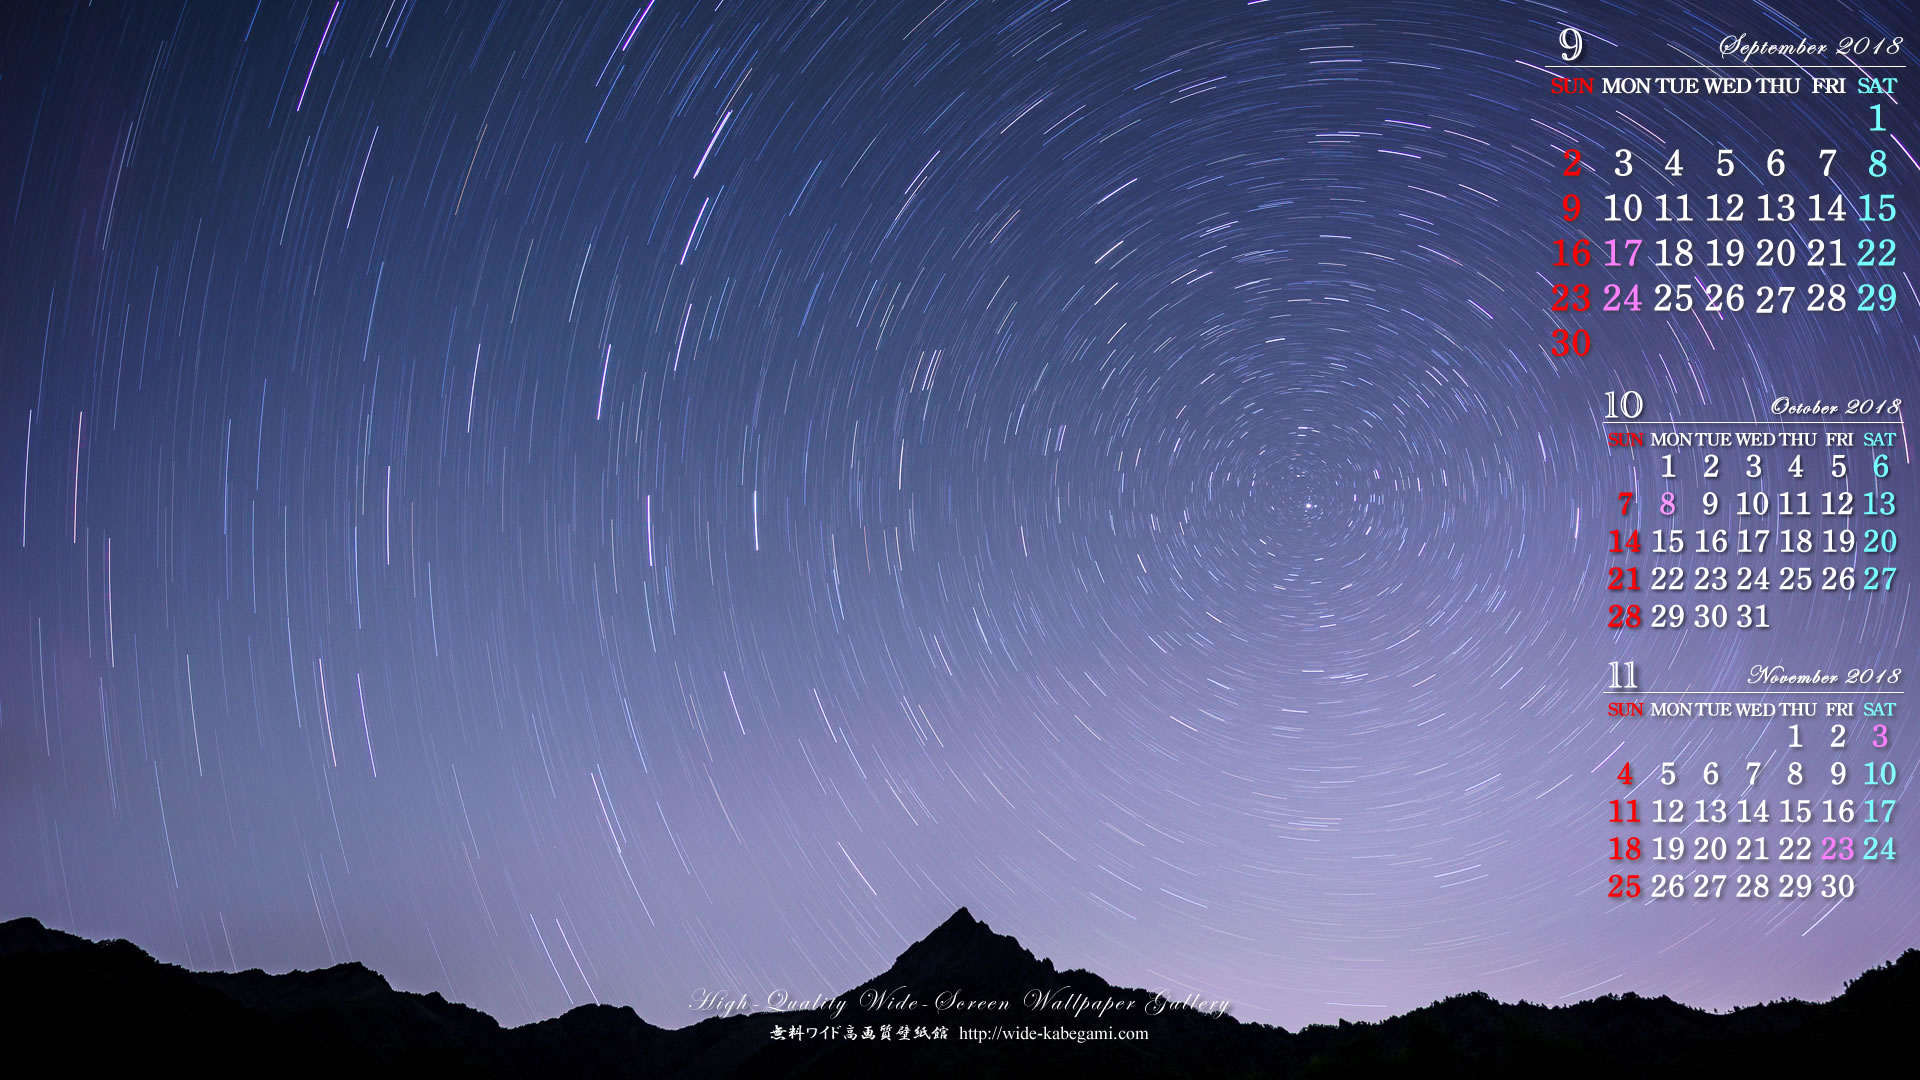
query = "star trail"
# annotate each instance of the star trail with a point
(571, 502)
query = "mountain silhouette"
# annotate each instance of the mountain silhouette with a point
(100, 1007)
(962, 953)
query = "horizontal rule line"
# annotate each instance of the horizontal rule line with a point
(1723, 693)
(1715, 67)
(1723, 423)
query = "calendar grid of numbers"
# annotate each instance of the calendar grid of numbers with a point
(1759, 763)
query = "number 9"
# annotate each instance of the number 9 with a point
(1572, 45)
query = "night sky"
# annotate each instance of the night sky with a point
(579, 502)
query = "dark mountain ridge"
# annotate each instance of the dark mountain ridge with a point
(99, 1006)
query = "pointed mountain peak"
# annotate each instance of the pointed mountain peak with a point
(965, 953)
(960, 922)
